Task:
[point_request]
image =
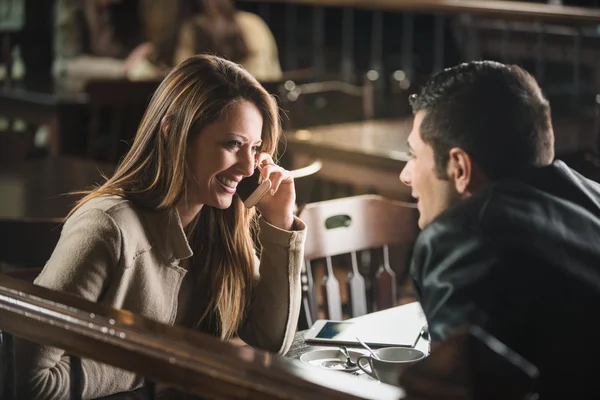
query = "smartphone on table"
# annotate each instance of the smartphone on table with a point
(250, 191)
(401, 333)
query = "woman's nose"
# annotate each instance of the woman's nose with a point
(248, 164)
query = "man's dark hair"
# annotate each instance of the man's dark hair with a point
(494, 112)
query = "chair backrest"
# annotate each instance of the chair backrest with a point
(364, 229)
(116, 108)
(321, 103)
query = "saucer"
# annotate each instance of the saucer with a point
(367, 377)
(331, 359)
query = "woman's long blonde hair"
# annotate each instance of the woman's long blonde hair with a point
(154, 173)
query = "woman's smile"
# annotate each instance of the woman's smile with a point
(229, 185)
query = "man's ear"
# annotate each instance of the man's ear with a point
(460, 170)
(165, 126)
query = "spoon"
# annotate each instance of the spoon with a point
(349, 362)
(363, 344)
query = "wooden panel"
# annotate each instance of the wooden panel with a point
(490, 8)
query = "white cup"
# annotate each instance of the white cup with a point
(393, 361)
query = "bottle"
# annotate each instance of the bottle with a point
(17, 74)
(18, 65)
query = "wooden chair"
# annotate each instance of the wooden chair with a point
(299, 76)
(321, 103)
(116, 107)
(366, 228)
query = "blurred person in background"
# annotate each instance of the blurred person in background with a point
(109, 38)
(216, 27)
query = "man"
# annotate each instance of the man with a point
(510, 238)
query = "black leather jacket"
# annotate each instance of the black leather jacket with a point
(522, 260)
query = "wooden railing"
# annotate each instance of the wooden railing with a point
(541, 15)
(185, 360)
(480, 8)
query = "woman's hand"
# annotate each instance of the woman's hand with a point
(140, 53)
(277, 207)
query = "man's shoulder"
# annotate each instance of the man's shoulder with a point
(544, 200)
(539, 202)
(464, 216)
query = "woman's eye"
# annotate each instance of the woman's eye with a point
(233, 144)
(236, 145)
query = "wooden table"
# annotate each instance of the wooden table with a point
(44, 102)
(367, 155)
(411, 313)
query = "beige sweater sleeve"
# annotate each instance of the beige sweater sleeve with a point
(43, 371)
(272, 316)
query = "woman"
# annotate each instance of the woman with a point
(108, 38)
(216, 27)
(167, 238)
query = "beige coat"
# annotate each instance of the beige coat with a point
(112, 253)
